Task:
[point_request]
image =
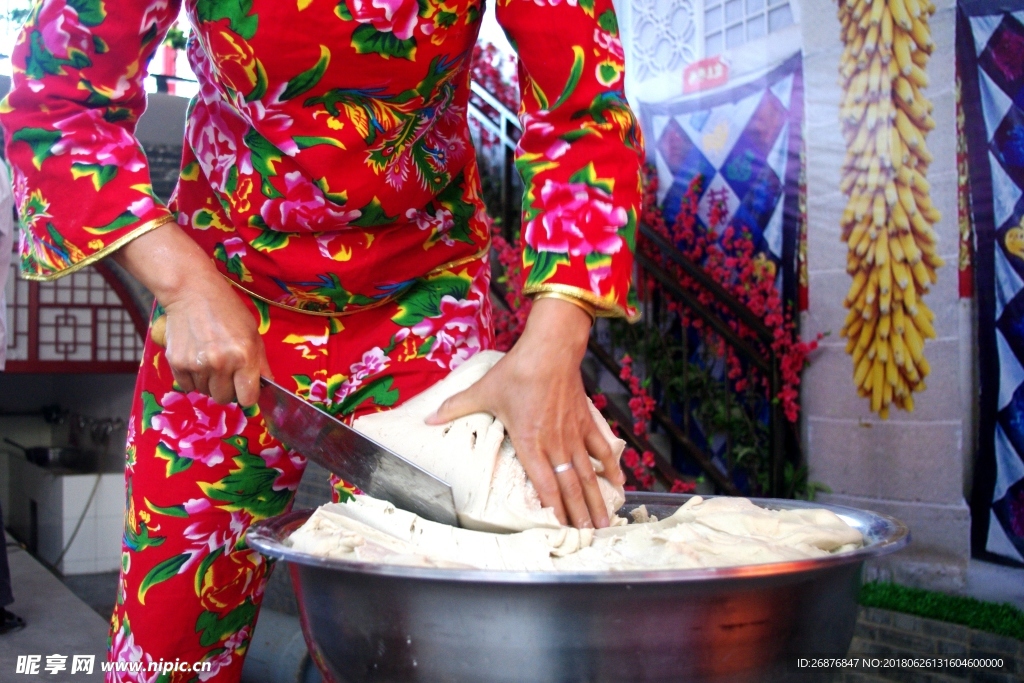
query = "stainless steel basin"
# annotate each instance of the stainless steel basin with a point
(371, 622)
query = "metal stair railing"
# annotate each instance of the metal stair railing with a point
(654, 256)
(504, 125)
(765, 360)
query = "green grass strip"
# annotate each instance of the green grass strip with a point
(1003, 619)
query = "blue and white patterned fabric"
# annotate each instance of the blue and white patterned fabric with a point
(990, 48)
(744, 141)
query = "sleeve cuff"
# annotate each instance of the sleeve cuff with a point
(100, 254)
(602, 307)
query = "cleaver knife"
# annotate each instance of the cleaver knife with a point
(332, 444)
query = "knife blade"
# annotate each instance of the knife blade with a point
(332, 444)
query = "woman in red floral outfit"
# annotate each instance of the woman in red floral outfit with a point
(328, 230)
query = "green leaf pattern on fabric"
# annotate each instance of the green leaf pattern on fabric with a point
(542, 265)
(237, 12)
(423, 300)
(167, 569)
(249, 487)
(214, 628)
(307, 79)
(175, 463)
(150, 408)
(367, 39)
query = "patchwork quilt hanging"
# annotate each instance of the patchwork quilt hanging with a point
(990, 54)
(745, 142)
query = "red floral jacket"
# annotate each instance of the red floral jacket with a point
(327, 163)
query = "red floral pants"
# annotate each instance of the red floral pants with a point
(198, 474)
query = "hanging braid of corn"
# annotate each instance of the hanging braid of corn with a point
(887, 225)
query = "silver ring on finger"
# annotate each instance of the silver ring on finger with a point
(564, 467)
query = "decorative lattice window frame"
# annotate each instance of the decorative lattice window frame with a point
(662, 36)
(85, 322)
(730, 24)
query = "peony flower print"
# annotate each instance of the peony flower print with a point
(88, 134)
(304, 207)
(455, 332)
(576, 218)
(193, 425)
(397, 17)
(63, 30)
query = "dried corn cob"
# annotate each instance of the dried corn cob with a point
(887, 225)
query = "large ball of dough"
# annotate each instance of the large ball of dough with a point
(474, 455)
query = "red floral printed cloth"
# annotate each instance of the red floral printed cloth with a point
(328, 165)
(198, 474)
(328, 171)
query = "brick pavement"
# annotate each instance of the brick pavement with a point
(881, 633)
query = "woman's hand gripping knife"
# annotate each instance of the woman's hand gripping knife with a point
(537, 392)
(212, 341)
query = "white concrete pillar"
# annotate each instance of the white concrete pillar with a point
(913, 465)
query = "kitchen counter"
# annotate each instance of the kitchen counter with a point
(58, 622)
(43, 506)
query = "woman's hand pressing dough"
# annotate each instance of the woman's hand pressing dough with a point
(537, 392)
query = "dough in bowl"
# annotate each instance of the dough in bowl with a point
(505, 527)
(475, 455)
(703, 533)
